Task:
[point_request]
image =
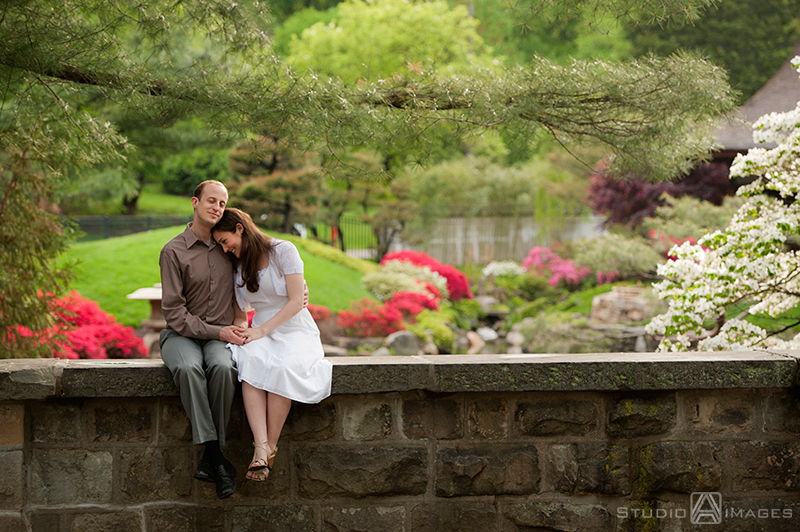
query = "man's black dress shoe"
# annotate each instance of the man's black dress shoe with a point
(225, 479)
(204, 472)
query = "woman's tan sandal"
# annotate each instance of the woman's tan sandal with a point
(259, 463)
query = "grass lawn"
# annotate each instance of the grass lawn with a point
(110, 269)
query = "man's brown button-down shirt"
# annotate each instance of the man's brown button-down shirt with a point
(196, 286)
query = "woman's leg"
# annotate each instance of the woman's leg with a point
(277, 411)
(255, 406)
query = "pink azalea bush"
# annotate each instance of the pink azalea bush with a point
(457, 282)
(542, 261)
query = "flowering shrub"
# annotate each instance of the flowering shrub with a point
(613, 256)
(412, 303)
(542, 261)
(369, 318)
(504, 268)
(83, 330)
(319, 312)
(457, 282)
(398, 276)
(748, 261)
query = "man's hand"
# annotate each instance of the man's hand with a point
(305, 295)
(232, 334)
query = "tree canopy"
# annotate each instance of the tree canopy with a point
(63, 61)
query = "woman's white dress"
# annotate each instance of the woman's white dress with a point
(289, 361)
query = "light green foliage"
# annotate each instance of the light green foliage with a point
(434, 323)
(557, 38)
(477, 187)
(527, 287)
(293, 27)
(402, 276)
(464, 313)
(628, 257)
(374, 40)
(690, 217)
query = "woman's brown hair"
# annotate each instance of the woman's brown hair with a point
(254, 244)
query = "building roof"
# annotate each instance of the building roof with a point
(780, 94)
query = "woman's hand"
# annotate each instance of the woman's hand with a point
(252, 334)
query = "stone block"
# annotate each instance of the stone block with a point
(453, 517)
(184, 519)
(12, 481)
(780, 412)
(757, 466)
(12, 522)
(555, 516)
(43, 521)
(589, 468)
(155, 474)
(117, 378)
(12, 419)
(173, 423)
(680, 467)
(328, 471)
(488, 419)
(433, 418)
(71, 476)
(720, 412)
(289, 518)
(359, 375)
(555, 417)
(53, 422)
(497, 470)
(370, 519)
(29, 378)
(120, 421)
(641, 416)
(311, 422)
(118, 521)
(366, 419)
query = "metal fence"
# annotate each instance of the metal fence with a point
(100, 227)
(356, 234)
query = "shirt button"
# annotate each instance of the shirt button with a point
(212, 264)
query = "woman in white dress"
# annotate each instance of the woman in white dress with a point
(282, 359)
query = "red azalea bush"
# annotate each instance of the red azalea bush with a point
(412, 303)
(84, 330)
(369, 318)
(457, 282)
(542, 261)
(319, 312)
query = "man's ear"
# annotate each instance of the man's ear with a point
(195, 201)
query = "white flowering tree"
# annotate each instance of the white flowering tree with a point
(746, 269)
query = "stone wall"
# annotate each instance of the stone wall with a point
(605, 442)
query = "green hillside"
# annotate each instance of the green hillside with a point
(110, 269)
